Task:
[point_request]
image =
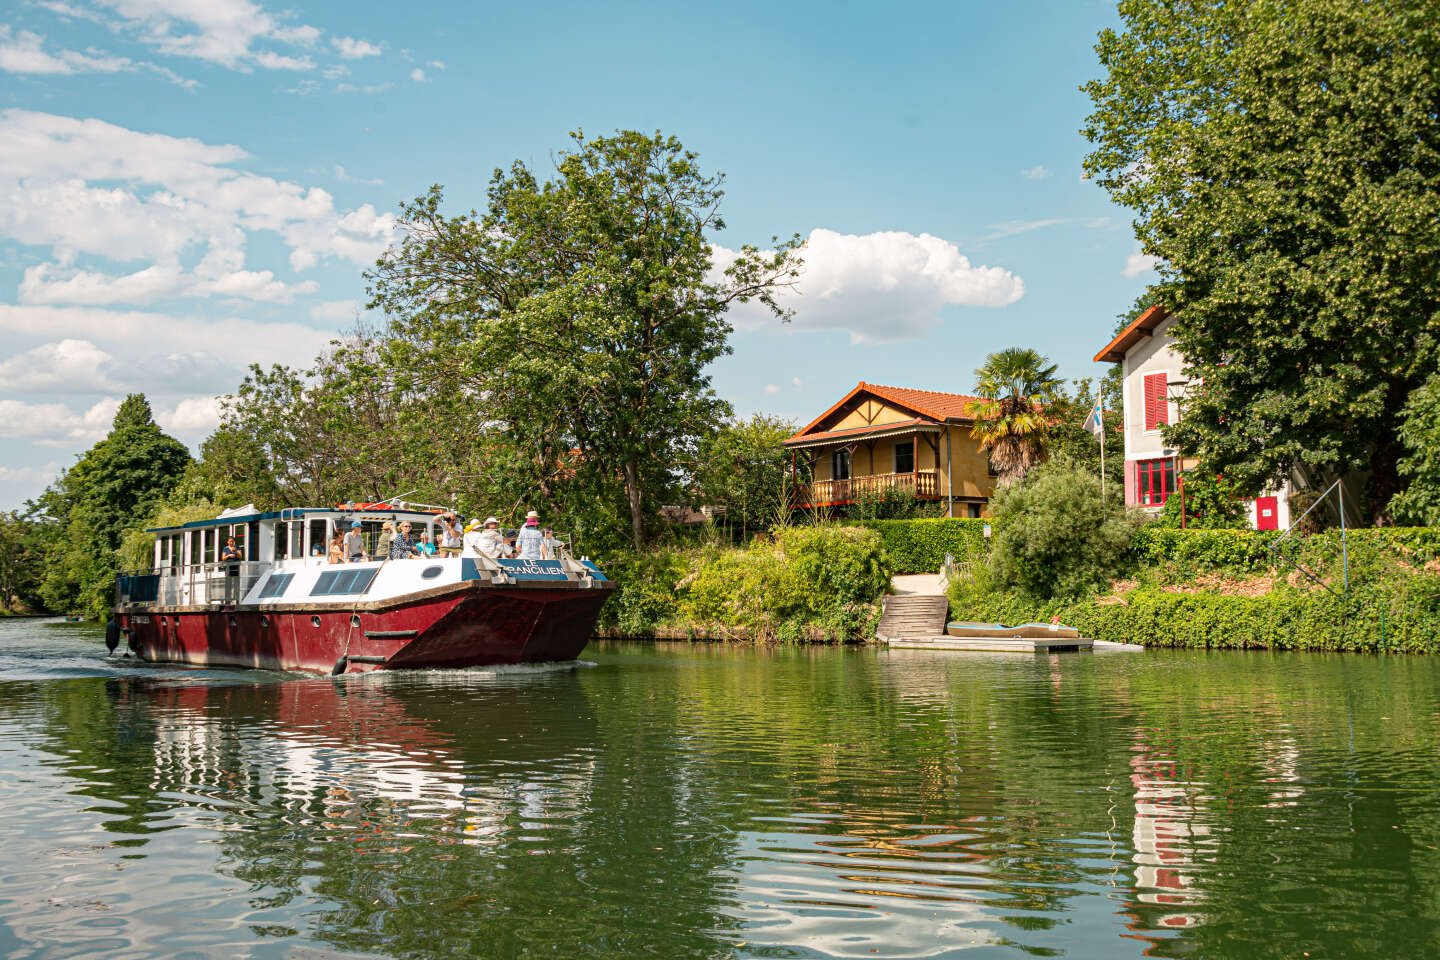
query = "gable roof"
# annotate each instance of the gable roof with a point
(1138, 329)
(929, 405)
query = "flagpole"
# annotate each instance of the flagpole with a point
(1101, 419)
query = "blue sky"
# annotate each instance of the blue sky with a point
(189, 186)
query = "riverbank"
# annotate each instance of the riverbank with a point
(1200, 589)
(1231, 589)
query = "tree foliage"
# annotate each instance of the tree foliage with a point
(1282, 158)
(581, 313)
(1419, 504)
(1055, 535)
(1070, 440)
(742, 467)
(1011, 420)
(112, 488)
(22, 562)
(1208, 503)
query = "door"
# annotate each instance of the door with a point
(1267, 513)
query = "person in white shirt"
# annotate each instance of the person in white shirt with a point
(486, 541)
(451, 538)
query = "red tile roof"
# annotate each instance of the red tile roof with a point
(874, 430)
(931, 405)
(1139, 328)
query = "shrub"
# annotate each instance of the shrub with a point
(1056, 535)
(920, 546)
(1209, 503)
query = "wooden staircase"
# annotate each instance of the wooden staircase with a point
(913, 615)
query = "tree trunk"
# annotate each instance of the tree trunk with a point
(633, 494)
(1384, 480)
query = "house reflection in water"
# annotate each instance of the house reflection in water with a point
(1170, 831)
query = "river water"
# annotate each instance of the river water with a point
(711, 801)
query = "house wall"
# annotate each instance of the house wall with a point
(1156, 354)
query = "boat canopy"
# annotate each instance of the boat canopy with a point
(364, 511)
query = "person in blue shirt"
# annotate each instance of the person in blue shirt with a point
(529, 541)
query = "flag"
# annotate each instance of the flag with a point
(1095, 419)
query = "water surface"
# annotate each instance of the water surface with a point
(712, 801)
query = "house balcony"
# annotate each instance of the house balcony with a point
(923, 484)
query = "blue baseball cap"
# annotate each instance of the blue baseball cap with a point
(354, 524)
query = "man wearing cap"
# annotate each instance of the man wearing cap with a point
(354, 546)
(486, 542)
(529, 541)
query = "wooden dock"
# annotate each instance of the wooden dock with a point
(993, 644)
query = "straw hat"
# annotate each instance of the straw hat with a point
(472, 526)
(494, 520)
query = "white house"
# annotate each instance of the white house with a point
(1155, 387)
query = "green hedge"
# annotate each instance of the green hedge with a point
(1192, 552)
(920, 546)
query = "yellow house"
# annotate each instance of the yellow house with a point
(891, 438)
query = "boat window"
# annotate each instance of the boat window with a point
(276, 585)
(279, 543)
(208, 549)
(194, 536)
(241, 535)
(177, 551)
(318, 537)
(333, 582)
(297, 539)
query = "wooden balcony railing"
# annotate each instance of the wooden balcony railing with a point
(924, 483)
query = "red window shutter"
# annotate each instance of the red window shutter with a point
(1157, 402)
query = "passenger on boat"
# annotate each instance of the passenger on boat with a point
(485, 541)
(452, 538)
(231, 554)
(550, 548)
(426, 548)
(336, 551)
(402, 547)
(355, 543)
(529, 541)
(387, 534)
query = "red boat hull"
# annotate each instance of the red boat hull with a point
(472, 624)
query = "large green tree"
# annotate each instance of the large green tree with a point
(1282, 158)
(580, 313)
(22, 562)
(1012, 421)
(114, 487)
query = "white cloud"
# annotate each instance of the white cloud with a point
(417, 75)
(797, 383)
(164, 354)
(24, 52)
(67, 366)
(438, 64)
(771, 388)
(1013, 228)
(191, 418)
(1138, 263)
(881, 286)
(352, 48)
(335, 311)
(345, 176)
(231, 33)
(1038, 172)
(54, 424)
(90, 187)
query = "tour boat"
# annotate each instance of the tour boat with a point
(285, 607)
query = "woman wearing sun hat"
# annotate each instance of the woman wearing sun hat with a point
(529, 540)
(484, 541)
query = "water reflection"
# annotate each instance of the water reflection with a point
(721, 801)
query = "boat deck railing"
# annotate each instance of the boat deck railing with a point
(200, 584)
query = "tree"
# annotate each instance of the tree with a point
(581, 313)
(1056, 535)
(1208, 503)
(1419, 503)
(1011, 421)
(1070, 440)
(743, 468)
(22, 562)
(1282, 159)
(112, 488)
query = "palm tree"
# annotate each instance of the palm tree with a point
(1010, 418)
